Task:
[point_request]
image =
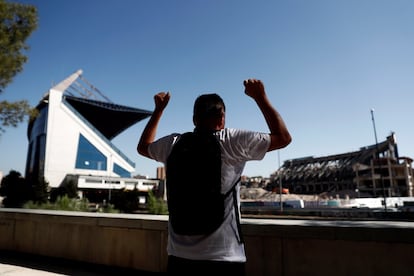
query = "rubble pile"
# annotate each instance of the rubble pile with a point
(261, 194)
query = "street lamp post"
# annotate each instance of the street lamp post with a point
(379, 163)
(280, 183)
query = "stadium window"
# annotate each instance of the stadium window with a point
(89, 157)
(121, 171)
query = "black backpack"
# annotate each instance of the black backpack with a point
(195, 202)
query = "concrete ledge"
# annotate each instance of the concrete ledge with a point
(134, 241)
(273, 246)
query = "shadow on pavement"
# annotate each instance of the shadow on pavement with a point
(65, 267)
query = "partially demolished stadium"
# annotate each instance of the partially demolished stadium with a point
(373, 171)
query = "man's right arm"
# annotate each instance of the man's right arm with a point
(148, 135)
(279, 134)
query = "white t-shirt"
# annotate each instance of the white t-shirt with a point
(237, 147)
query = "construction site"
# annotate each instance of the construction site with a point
(372, 171)
(367, 178)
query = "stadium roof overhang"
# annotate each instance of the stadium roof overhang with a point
(108, 118)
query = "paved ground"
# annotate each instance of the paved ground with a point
(18, 264)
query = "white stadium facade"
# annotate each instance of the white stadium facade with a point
(70, 139)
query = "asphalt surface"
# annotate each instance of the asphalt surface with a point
(21, 264)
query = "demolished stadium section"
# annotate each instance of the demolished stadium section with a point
(373, 171)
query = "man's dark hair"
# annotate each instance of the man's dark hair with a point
(208, 106)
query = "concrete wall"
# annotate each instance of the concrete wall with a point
(274, 247)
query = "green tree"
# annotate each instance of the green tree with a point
(68, 188)
(15, 190)
(156, 205)
(125, 200)
(17, 22)
(13, 113)
(40, 193)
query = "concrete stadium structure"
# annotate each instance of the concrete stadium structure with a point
(371, 171)
(70, 138)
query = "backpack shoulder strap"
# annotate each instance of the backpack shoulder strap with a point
(236, 210)
(233, 188)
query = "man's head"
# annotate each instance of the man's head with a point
(209, 112)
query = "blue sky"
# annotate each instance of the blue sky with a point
(325, 64)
